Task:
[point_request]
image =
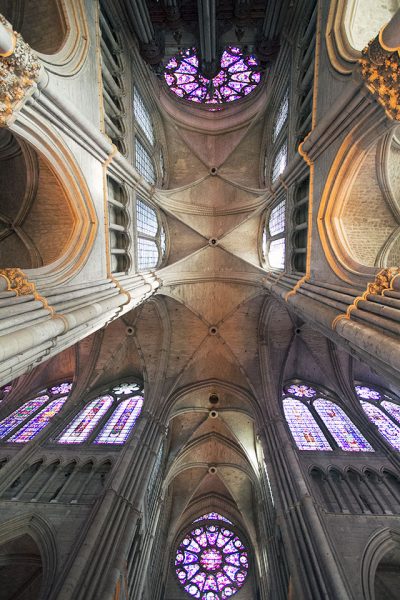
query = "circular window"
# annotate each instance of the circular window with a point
(239, 75)
(211, 562)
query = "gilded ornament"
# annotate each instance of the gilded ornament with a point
(381, 71)
(383, 281)
(19, 73)
(17, 282)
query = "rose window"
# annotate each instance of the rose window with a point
(211, 562)
(239, 75)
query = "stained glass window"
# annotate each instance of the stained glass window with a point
(306, 432)
(301, 391)
(281, 115)
(238, 77)
(119, 426)
(35, 425)
(142, 116)
(274, 244)
(211, 562)
(383, 411)
(346, 435)
(109, 418)
(280, 162)
(30, 418)
(151, 236)
(4, 391)
(144, 163)
(213, 516)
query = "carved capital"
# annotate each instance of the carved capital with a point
(383, 281)
(17, 282)
(380, 69)
(19, 73)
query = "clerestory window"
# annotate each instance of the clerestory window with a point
(274, 244)
(151, 239)
(383, 410)
(318, 423)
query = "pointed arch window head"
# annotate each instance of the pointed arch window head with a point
(211, 562)
(317, 423)
(4, 391)
(239, 76)
(108, 419)
(23, 424)
(213, 516)
(383, 411)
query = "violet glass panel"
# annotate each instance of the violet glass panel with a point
(121, 423)
(83, 425)
(211, 563)
(346, 435)
(367, 393)
(35, 425)
(304, 429)
(393, 409)
(238, 77)
(212, 516)
(61, 388)
(386, 427)
(301, 391)
(22, 413)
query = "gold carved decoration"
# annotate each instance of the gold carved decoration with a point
(19, 73)
(17, 282)
(380, 69)
(383, 281)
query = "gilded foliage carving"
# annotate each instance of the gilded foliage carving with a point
(19, 73)
(17, 282)
(383, 281)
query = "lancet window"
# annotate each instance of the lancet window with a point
(151, 239)
(383, 410)
(281, 116)
(211, 562)
(108, 418)
(144, 139)
(24, 423)
(318, 423)
(274, 237)
(280, 162)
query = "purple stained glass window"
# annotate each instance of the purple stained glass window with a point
(211, 563)
(35, 425)
(62, 388)
(340, 426)
(212, 516)
(239, 76)
(83, 425)
(301, 391)
(121, 423)
(22, 413)
(305, 430)
(393, 409)
(386, 427)
(367, 393)
(126, 388)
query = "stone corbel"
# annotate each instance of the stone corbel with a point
(17, 282)
(380, 67)
(19, 72)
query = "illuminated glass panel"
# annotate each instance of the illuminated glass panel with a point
(280, 162)
(163, 241)
(22, 413)
(62, 388)
(276, 221)
(213, 516)
(211, 563)
(142, 116)
(6, 389)
(83, 425)
(304, 429)
(276, 253)
(346, 435)
(239, 75)
(121, 423)
(301, 391)
(35, 425)
(367, 393)
(393, 409)
(148, 255)
(386, 427)
(146, 218)
(126, 388)
(144, 163)
(281, 116)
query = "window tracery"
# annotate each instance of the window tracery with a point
(317, 423)
(280, 162)
(108, 418)
(274, 245)
(24, 423)
(239, 76)
(281, 116)
(151, 238)
(383, 410)
(211, 562)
